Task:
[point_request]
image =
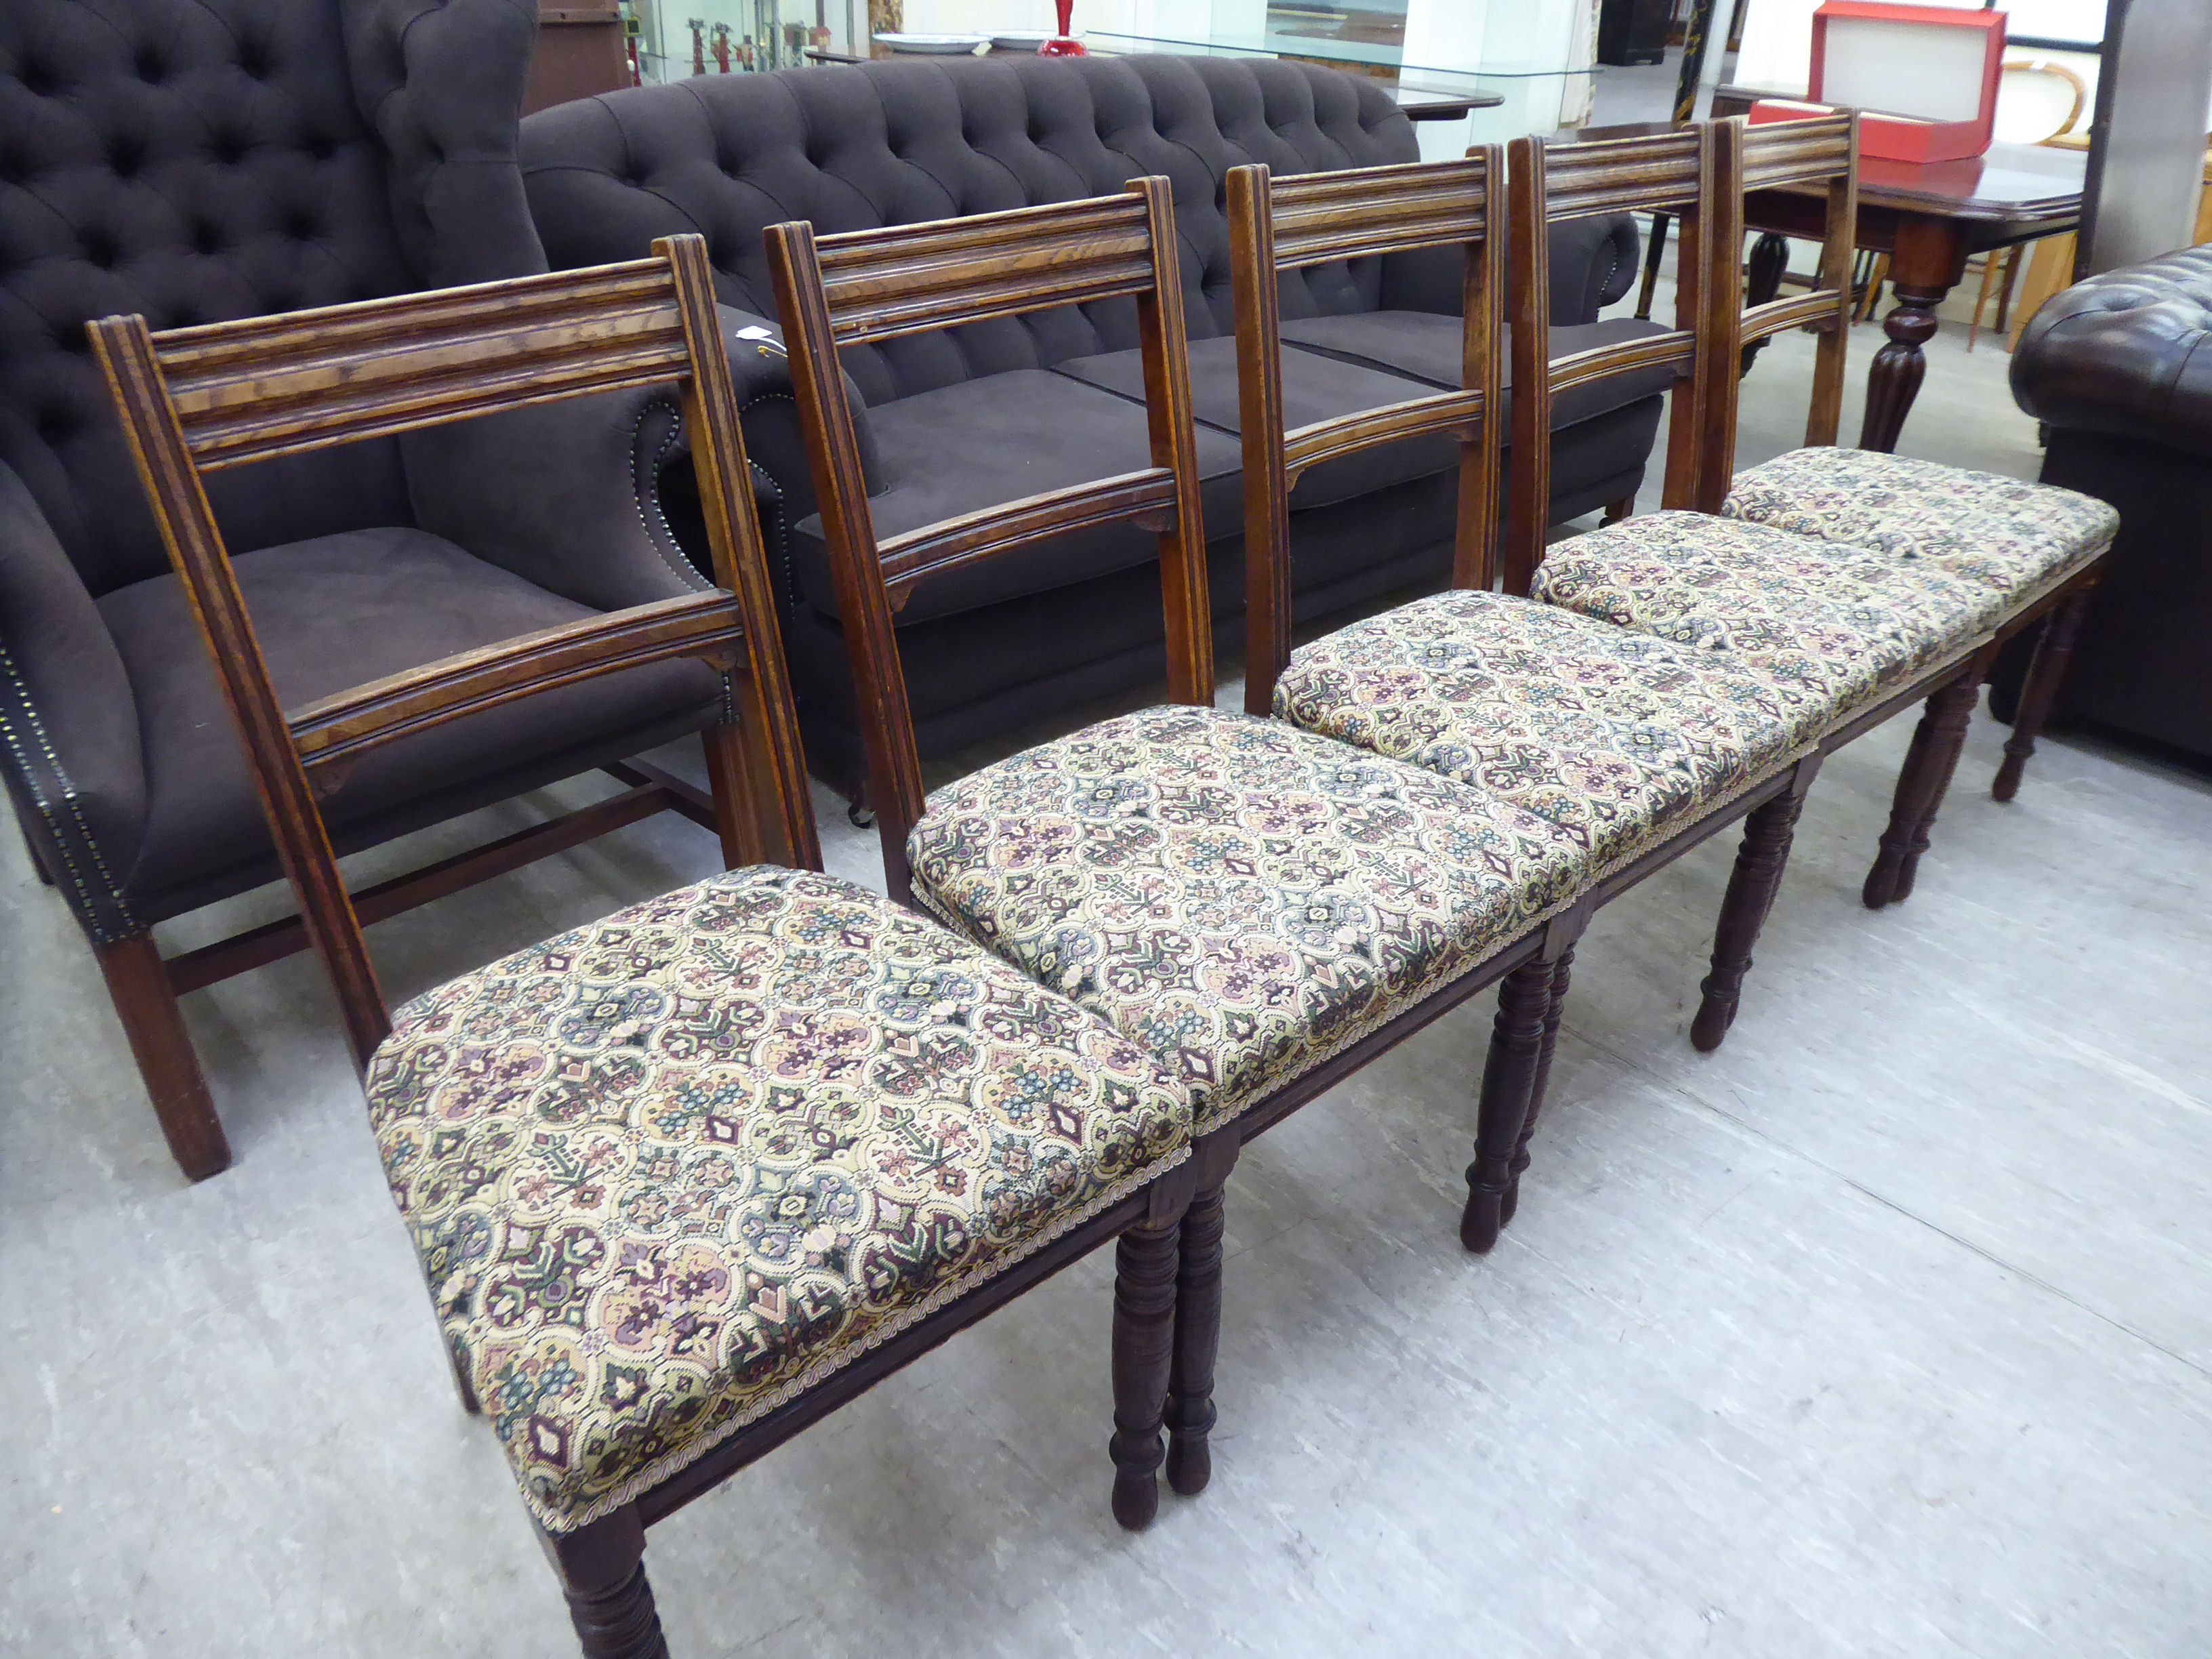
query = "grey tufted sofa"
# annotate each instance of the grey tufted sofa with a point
(2119, 369)
(196, 161)
(956, 420)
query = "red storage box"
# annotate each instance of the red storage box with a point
(1923, 78)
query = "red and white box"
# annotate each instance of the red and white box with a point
(1923, 78)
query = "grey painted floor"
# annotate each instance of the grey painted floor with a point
(1884, 1331)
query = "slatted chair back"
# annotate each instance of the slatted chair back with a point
(873, 285)
(1669, 172)
(196, 400)
(1821, 151)
(1285, 224)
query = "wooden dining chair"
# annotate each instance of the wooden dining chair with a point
(684, 1180)
(1668, 173)
(1638, 748)
(1845, 636)
(1264, 908)
(2038, 550)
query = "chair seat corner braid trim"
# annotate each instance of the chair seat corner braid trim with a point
(685, 1179)
(1263, 910)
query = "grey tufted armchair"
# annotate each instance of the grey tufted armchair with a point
(196, 161)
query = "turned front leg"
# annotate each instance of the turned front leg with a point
(602, 1572)
(1759, 862)
(1143, 1339)
(1928, 765)
(1538, 1086)
(1517, 1040)
(2054, 654)
(1190, 1412)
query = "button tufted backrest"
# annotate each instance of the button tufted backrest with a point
(2127, 353)
(901, 141)
(196, 161)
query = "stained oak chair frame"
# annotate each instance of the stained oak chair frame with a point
(1825, 150)
(197, 400)
(873, 285)
(1278, 225)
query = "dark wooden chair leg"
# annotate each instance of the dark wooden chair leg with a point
(602, 1572)
(138, 981)
(1144, 1343)
(1759, 862)
(1616, 511)
(2054, 654)
(1541, 1082)
(1190, 1413)
(1516, 1039)
(1928, 764)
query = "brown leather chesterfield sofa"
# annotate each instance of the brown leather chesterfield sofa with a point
(959, 420)
(2119, 369)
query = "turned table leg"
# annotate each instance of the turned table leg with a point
(1929, 259)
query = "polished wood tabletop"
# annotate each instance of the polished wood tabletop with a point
(1930, 217)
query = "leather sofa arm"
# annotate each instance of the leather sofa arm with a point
(68, 721)
(2127, 353)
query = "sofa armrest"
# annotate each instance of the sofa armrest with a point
(768, 413)
(2127, 353)
(1593, 263)
(565, 495)
(568, 494)
(74, 765)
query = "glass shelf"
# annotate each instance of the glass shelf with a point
(1326, 49)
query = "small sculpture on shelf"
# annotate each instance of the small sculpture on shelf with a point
(698, 45)
(722, 47)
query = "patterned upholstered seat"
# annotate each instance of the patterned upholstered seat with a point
(666, 1170)
(1831, 627)
(1616, 736)
(2017, 537)
(1242, 898)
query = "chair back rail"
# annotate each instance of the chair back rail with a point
(1670, 173)
(1282, 224)
(193, 400)
(1822, 150)
(871, 285)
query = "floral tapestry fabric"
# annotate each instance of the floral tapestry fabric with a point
(1242, 898)
(1831, 627)
(2005, 533)
(1616, 736)
(668, 1170)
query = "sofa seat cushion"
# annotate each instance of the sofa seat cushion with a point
(1426, 346)
(1617, 737)
(667, 1170)
(1315, 388)
(1242, 898)
(330, 614)
(2018, 537)
(1833, 627)
(998, 439)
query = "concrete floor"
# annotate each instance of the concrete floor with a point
(1884, 1331)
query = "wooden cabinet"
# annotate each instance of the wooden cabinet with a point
(580, 52)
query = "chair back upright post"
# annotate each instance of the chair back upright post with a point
(194, 400)
(1822, 150)
(1669, 172)
(864, 286)
(1284, 224)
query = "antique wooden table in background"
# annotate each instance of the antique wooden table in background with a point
(1930, 218)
